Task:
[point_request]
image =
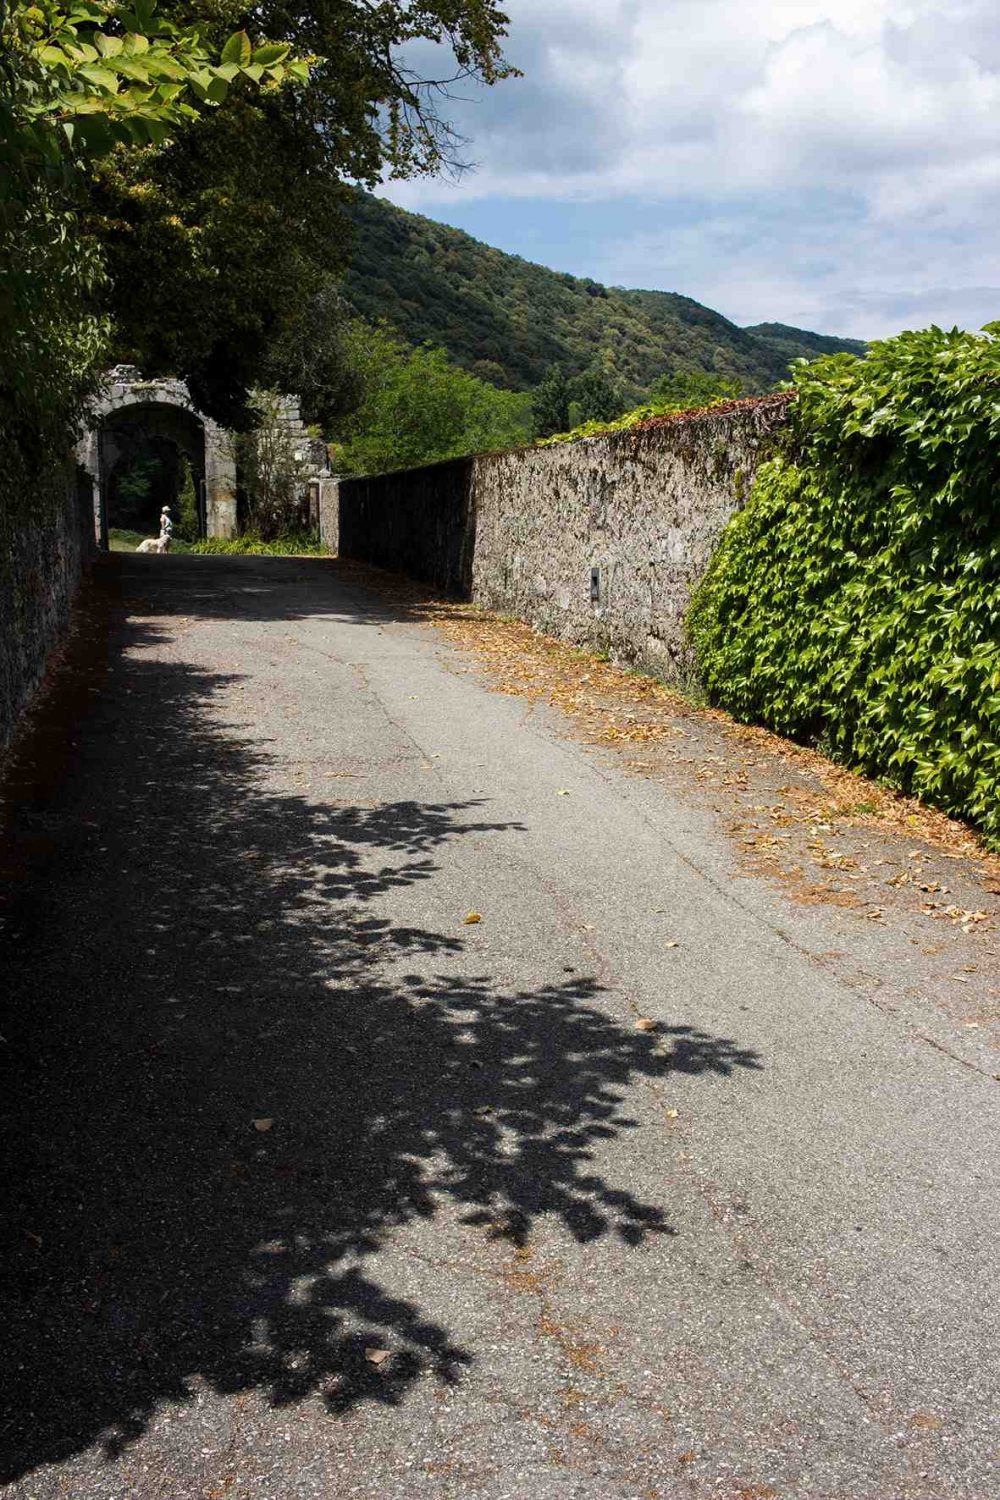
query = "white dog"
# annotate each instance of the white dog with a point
(154, 544)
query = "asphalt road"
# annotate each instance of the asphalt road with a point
(318, 1189)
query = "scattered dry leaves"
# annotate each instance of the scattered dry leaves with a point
(817, 800)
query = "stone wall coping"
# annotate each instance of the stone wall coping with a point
(774, 403)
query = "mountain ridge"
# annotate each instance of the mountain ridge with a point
(508, 319)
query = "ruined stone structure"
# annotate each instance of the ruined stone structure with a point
(131, 410)
(600, 541)
(49, 519)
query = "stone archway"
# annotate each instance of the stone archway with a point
(130, 411)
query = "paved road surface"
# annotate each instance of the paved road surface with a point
(318, 1190)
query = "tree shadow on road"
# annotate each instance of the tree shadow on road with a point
(230, 1075)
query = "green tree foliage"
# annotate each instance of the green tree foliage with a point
(796, 343)
(154, 474)
(134, 485)
(435, 283)
(75, 81)
(217, 243)
(672, 393)
(187, 525)
(418, 408)
(856, 600)
(272, 474)
(550, 402)
(215, 248)
(688, 389)
(366, 103)
(208, 182)
(96, 74)
(596, 396)
(321, 355)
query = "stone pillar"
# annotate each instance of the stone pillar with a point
(329, 514)
(220, 482)
(88, 456)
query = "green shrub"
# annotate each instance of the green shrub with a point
(250, 543)
(856, 599)
(187, 526)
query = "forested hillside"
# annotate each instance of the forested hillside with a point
(796, 343)
(508, 320)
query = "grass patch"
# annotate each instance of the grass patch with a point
(250, 544)
(120, 540)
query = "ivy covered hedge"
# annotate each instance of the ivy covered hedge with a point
(855, 602)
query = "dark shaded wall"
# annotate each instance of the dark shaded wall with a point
(420, 522)
(46, 544)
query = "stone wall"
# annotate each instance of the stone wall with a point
(599, 541)
(46, 543)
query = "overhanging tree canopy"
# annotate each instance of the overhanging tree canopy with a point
(215, 244)
(209, 184)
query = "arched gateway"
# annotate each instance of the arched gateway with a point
(133, 415)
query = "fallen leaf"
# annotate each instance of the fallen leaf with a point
(645, 1024)
(927, 1421)
(263, 1124)
(472, 919)
(377, 1356)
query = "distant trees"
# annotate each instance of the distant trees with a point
(550, 403)
(560, 402)
(186, 526)
(597, 396)
(417, 408)
(691, 388)
(320, 355)
(435, 283)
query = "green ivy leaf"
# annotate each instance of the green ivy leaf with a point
(237, 49)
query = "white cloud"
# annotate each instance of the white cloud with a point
(763, 114)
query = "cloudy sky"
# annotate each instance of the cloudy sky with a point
(834, 164)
